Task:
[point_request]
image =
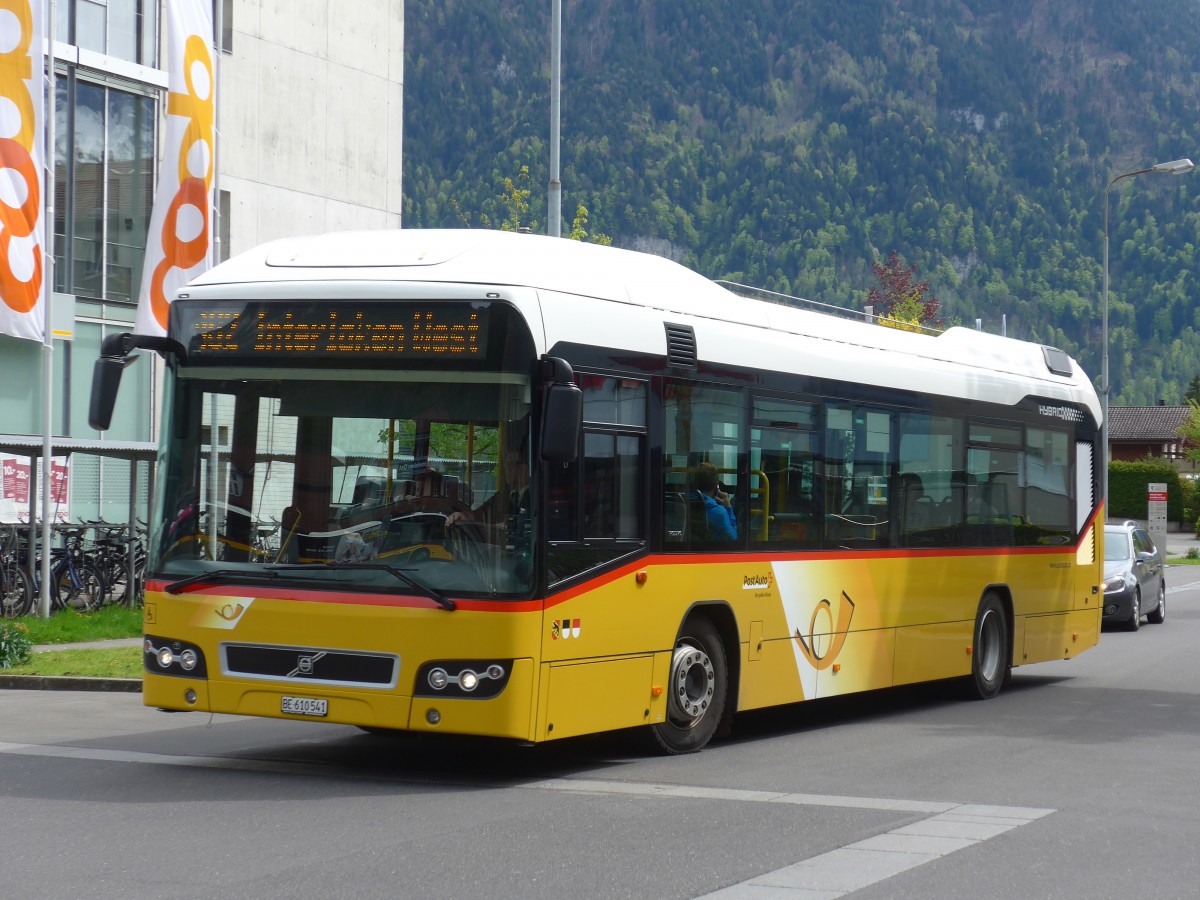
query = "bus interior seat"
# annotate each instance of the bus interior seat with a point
(675, 517)
(697, 519)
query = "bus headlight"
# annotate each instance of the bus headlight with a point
(163, 656)
(478, 679)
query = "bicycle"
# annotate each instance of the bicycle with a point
(16, 593)
(111, 552)
(76, 582)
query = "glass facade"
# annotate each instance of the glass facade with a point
(104, 187)
(124, 29)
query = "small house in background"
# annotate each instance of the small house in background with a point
(1149, 432)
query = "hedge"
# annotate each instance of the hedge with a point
(1127, 486)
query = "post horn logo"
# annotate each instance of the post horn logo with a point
(822, 658)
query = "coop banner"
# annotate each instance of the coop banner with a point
(177, 247)
(22, 78)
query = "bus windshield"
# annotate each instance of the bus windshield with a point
(354, 480)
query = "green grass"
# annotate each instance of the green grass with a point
(69, 627)
(118, 662)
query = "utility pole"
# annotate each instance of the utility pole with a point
(554, 213)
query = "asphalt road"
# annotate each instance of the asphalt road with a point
(1078, 781)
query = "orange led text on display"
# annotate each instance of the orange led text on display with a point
(337, 333)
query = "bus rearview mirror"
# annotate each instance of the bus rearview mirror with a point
(561, 423)
(106, 381)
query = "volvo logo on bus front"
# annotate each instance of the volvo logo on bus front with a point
(305, 664)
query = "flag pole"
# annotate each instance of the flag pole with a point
(47, 333)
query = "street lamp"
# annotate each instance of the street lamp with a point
(1175, 167)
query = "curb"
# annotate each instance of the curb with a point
(69, 683)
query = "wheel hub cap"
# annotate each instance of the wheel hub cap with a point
(693, 681)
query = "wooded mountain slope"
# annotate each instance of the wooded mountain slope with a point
(788, 144)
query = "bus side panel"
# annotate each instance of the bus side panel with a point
(600, 695)
(769, 674)
(869, 658)
(1060, 637)
(1046, 637)
(930, 652)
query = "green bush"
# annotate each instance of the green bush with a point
(1187, 487)
(15, 646)
(1127, 489)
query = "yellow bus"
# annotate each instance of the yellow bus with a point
(532, 488)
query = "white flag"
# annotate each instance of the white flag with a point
(22, 159)
(177, 247)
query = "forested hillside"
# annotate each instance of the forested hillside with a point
(789, 144)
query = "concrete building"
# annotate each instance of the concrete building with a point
(309, 116)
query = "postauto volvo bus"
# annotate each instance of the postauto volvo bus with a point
(492, 460)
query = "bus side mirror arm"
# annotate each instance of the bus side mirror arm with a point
(562, 413)
(115, 353)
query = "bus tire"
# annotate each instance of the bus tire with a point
(991, 657)
(697, 689)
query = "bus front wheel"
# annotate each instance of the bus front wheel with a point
(990, 656)
(696, 691)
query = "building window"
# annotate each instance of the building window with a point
(104, 187)
(125, 29)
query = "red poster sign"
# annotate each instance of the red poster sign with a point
(20, 498)
(16, 481)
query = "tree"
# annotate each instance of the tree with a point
(1189, 428)
(579, 229)
(516, 200)
(900, 301)
(1193, 391)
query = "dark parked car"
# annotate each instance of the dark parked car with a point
(1134, 585)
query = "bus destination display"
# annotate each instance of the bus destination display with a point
(371, 330)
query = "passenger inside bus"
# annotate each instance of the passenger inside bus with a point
(716, 520)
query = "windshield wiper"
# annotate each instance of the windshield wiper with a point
(432, 593)
(215, 575)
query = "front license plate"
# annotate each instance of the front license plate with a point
(305, 706)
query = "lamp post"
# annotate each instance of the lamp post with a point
(1175, 167)
(554, 193)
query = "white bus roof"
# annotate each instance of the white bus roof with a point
(588, 279)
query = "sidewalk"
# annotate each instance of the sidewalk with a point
(88, 645)
(1179, 542)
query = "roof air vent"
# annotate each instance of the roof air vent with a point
(681, 345)
(1057, 361)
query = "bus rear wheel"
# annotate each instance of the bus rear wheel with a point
(990, 654)
(696, 690)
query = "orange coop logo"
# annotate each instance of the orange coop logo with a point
(185, 228)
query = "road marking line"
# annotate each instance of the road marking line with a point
(858, 865)
(950, 827)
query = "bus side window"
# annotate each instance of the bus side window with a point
(703, 426)
(595, 505)
(784, 473)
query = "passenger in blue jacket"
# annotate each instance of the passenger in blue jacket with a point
(718, 509)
